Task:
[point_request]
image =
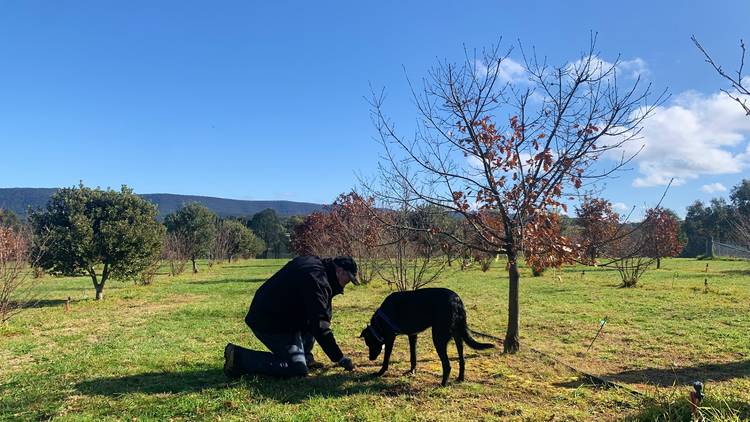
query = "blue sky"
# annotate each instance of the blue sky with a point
(266, 101)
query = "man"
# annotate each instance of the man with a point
(289, 312)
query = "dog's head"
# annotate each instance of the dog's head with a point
(373, 343)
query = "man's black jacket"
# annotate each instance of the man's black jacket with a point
(298, 298)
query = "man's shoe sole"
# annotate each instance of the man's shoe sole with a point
(229, 361)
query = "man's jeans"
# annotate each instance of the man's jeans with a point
(288, 356)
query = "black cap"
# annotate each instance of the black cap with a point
(347, 264)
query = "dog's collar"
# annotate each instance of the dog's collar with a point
(387, 320)
(375, 333)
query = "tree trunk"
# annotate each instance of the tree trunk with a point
(511, 343)
(99, 287)
(658, 263)
(195, 269)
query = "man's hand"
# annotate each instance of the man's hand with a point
(346, 363)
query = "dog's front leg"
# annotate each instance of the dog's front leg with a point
(386, 356)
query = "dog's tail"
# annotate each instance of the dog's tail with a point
(473, 343)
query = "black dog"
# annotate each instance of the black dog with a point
(413, 312)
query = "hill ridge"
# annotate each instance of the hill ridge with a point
(19, 200)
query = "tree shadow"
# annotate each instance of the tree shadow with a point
(741, 273)
(584, 381)
(321, 383)
(230, 280)
(43, 303)
(666, 377)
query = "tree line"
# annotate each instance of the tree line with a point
(115, 234)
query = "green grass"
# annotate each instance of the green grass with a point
(155, 352)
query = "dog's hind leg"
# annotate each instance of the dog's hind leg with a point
(413, 353)
(460, 348)
(441, 346)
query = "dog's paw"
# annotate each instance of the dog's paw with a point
(410, 372)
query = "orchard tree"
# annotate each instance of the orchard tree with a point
(358, 230)
(240, 240)
(9, 219)
(661, 230)
(599, 223)
(316, 235)
(90, 229)
(268, 227)
(17, 289)
(740, 197)
(196, 226)
(517, 149)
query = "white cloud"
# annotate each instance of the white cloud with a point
(508, 70)
(625, 68)
(620, 207)
(633, 68)
(713, 188)
(695, 135)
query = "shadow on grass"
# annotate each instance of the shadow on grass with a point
(44, 303)
(741, 273)
(155, 383)
(678, 408)
(666, 377)
(230, 280)
(293, 390)
(584, 381)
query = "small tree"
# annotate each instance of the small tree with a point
(514, 149)
(16, 287)
(599, 224)
(628, 257)
(409, 260)
(196, 225)
(268, 227)
(315, 235)
(9, 219)
(240, 240)
(176, 250)
(740, 197)
(661, 231)
(90, 229)
(358, 229)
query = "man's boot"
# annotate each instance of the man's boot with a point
(229, 370)
(246, 361)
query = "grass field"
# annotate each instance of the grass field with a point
(155, 352)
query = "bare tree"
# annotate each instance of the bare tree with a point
(628, 255)
(517, 149)
(357, 225)
(176, 251)
(409, 260)
(16, 259)
(739, 84)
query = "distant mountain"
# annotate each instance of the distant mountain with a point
(19, 200)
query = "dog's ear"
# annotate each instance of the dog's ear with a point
(362, 334)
